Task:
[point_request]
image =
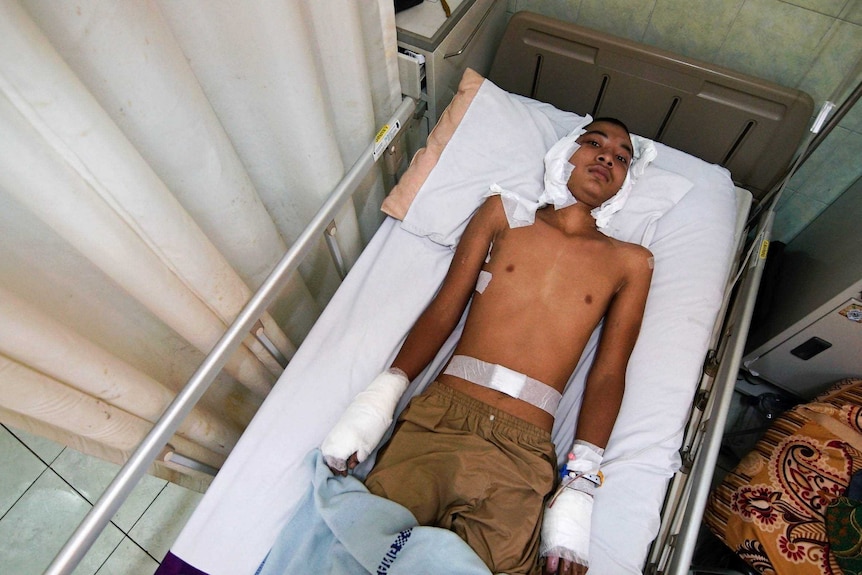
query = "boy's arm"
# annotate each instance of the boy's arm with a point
(566, 529)
(367, 418)
(605, 383)
(436, 323)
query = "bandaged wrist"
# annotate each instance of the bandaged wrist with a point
(581, 471)
(365, 421)
(568, 516)
(566, 526)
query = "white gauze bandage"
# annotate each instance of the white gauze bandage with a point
(366, 419)
(521, 208)
(644, 153)
(521, 211)
(558, 170)
(568, 516)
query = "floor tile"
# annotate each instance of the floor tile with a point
(773, 40)
(19, 470)
(128, 559)
(46, 449)
(794, 213)
(694, 28)
(38, 525)
(90, 476)
(828, 7)
(163, 521)
(630, 21)
(853, 12)
(853, 120)
(836, 58)
(834, 166)
(562, 10)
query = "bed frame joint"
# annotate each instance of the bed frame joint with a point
(334, 249)
(701, 398)
(711, 363)
(259, 332)
(687, 456)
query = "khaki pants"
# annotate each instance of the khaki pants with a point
(460, 464)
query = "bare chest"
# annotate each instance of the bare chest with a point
(536, 270)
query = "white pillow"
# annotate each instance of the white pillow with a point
(502, 139)
(653, 195)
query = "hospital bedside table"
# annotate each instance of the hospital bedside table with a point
(435, 49)
(812, 334)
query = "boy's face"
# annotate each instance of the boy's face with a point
(601, 163)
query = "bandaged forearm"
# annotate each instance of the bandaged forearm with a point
(568, 516)
(366, 419)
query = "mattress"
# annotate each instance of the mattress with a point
(360, 331)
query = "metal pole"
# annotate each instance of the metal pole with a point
(704, 465)
(809, 148)
(147, 451)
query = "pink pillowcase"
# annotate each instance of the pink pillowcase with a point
(399, 199)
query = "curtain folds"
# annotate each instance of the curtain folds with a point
(156, 160)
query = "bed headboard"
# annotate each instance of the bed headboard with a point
(750, 126)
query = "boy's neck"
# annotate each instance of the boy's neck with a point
(574, 219)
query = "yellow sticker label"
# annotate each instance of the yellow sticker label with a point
(384, 136)
(381, 133)
(764, 249)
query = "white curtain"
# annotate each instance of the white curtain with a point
(156, 160)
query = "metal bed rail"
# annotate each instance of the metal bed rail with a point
(151, 446)
(689, 489)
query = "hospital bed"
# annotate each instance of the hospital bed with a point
(724, 140)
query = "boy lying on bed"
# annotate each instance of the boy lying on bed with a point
(473, 453)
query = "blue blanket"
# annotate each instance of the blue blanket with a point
(341, 528)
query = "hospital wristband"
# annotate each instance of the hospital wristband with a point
(586, 482)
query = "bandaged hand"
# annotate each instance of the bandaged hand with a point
(366, 419)
(568, 516)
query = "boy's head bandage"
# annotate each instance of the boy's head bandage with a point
(644, 153)
(558, 170)
(521, 211)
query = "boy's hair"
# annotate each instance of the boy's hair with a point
(614, 121)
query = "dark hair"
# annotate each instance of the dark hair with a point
(614, 121)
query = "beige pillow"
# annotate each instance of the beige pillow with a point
(399, 199)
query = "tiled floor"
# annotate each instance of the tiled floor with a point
(46, 489)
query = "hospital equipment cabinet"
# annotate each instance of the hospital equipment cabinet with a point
(434, 50)
(812, 333)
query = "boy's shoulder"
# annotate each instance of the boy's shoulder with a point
(636, 250)
(636, 254)
(492, 210)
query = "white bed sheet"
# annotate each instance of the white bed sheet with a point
(360, 331)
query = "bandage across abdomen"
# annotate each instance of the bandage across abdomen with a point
(506, 381)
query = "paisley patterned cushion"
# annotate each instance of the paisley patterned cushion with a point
(844, 530)
(770, 509)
